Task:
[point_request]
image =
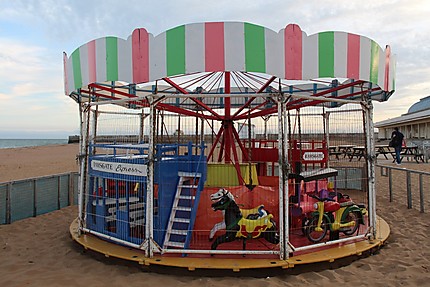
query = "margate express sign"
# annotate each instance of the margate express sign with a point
(119, 168)
(313, 156)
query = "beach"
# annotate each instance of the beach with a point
(38, 251)
(29, 162)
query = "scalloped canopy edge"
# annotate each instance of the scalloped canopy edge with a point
(230, 46)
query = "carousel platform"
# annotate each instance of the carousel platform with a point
(329, 255)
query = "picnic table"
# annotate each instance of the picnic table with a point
(406, 152)
(410, 152)
(346, 149)
(384, 150)
(334, 150)
(358, 152)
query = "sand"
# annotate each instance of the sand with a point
(39, 252)
(28, 162)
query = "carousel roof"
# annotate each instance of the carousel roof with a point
(193, 59)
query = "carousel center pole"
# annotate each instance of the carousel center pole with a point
(227, 119)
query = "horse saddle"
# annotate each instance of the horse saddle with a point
(256, 210)
(253, 228)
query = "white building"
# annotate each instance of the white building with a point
(415, 124)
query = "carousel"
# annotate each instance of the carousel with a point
(227, 145)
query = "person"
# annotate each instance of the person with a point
(396, 142)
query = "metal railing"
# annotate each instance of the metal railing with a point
(411, 186)
(35, 196)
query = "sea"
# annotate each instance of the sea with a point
(14, 143)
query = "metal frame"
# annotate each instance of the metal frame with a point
(228, 134)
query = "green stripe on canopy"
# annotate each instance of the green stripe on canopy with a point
(175, 49)
(374, 62)
(326, 54)
(255, 50)
(111, 59)
(76, 61)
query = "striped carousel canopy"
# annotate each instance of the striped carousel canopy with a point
(289, 55)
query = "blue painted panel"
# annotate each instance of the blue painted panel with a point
(3, 204)
(21, 200)
(75, 188)
(349, 178)
(354, 178)
(64, 191)
(167, 165)
(46, 195)
(340, 179)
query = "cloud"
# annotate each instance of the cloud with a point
(27, 65)
(32, 85)
(31, 50)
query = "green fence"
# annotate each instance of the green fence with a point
(35, 196)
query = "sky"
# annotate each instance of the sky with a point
(35, 33)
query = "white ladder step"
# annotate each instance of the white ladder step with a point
(179, 232)
(181, 220)
(174, 244)
(187, 197)
(189, 174)
(187, 186)
(182, 208)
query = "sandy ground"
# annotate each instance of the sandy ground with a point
(39, 252)
(28, 162)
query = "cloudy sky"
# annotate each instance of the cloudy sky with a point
(34, 34)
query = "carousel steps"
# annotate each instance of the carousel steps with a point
(180, 220)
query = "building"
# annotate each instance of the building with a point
(415, 124)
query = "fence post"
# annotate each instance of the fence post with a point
(8, 205)
(34, 198)
(408, 189)
(58, 192)
(71, 191)
(421, 194)
(390, 184)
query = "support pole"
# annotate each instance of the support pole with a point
(283, 178)
(421, 193)
(8, 203)
(142, 127)
(390, 185)
(149, 227)
(83, 156)
(371, 158)
(326, 117)
(228, 125)
(214, 143)
(409, 189)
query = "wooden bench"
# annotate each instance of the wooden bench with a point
(136, 213)
(417, 157)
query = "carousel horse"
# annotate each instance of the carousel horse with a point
(253, 213)
(238, 227)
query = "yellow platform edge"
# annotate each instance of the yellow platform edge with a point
(329, 255)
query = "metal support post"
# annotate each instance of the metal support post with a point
(371, 158)
(326, 117)
(149, 227)
(83, 156)
(421, 193)
(409, 189)
(283, 178)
